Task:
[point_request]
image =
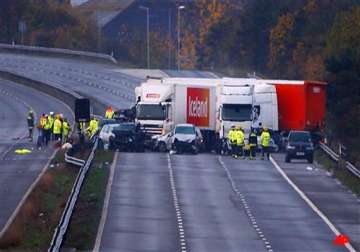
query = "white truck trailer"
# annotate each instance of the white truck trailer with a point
(164, 103)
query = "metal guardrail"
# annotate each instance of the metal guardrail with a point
(61, 229)
(58, 51)
(336, 158)
(75, 161)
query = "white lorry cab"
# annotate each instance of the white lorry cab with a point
(234, 105)
(151, 105)
(265, 112)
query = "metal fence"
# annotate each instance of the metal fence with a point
(336, 157)
(62, 227)
(67, 52)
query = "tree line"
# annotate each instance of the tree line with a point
(49, 23)
(286, 39)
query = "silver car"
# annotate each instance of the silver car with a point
(183, 138)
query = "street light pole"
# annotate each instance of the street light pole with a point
(170, 40)
(147, 9)
(178, 37)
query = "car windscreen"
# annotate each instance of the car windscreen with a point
(299, 137)
(150, 112)
(236, 112)
(124, 127)
(185, 130)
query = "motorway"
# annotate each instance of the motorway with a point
(18, 172)
(162, 202)
(108, 84)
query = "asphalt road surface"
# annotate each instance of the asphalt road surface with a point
(18, 172)
(200, 203)
(108, 83)
(224, 204)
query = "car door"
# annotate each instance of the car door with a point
(199, 138)
(107, 133)
(170, 139)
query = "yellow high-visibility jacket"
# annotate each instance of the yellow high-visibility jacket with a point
(265, 138)
(240, 137)
(57, 126)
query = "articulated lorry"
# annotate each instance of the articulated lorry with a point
(285, 105)
(213, 105)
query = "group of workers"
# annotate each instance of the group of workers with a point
(50, 127)
(236, 137)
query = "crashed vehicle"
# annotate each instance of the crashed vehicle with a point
(127, 137)
(186, 138)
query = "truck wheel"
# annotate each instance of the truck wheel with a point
(287, 159)
(162, 147)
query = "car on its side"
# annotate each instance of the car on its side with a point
(299, 146)
(105, 134)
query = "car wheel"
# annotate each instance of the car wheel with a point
(287, 159)
(310, 159)
(162, 147)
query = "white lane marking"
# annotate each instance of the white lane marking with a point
(26, 195)
(183, 243)
(310, 203)
(105, 209)
(245, 205)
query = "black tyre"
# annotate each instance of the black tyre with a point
(162, 147)
(287, 159)
(310, 159)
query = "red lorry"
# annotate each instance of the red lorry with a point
(301, 104)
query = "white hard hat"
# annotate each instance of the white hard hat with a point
(51, 113)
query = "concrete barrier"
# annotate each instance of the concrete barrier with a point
(57, 52)
(68, 96)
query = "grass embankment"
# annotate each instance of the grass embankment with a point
(34, 225)
(85, 220)
(339, 171)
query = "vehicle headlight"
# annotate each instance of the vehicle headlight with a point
(290, 147)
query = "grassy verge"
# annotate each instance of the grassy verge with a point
(33, 227)
(85, 220)
(339, 171)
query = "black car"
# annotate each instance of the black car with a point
(299, 146)
(127, 137)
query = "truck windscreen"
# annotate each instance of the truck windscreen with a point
(236, 112)
(150, 112)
